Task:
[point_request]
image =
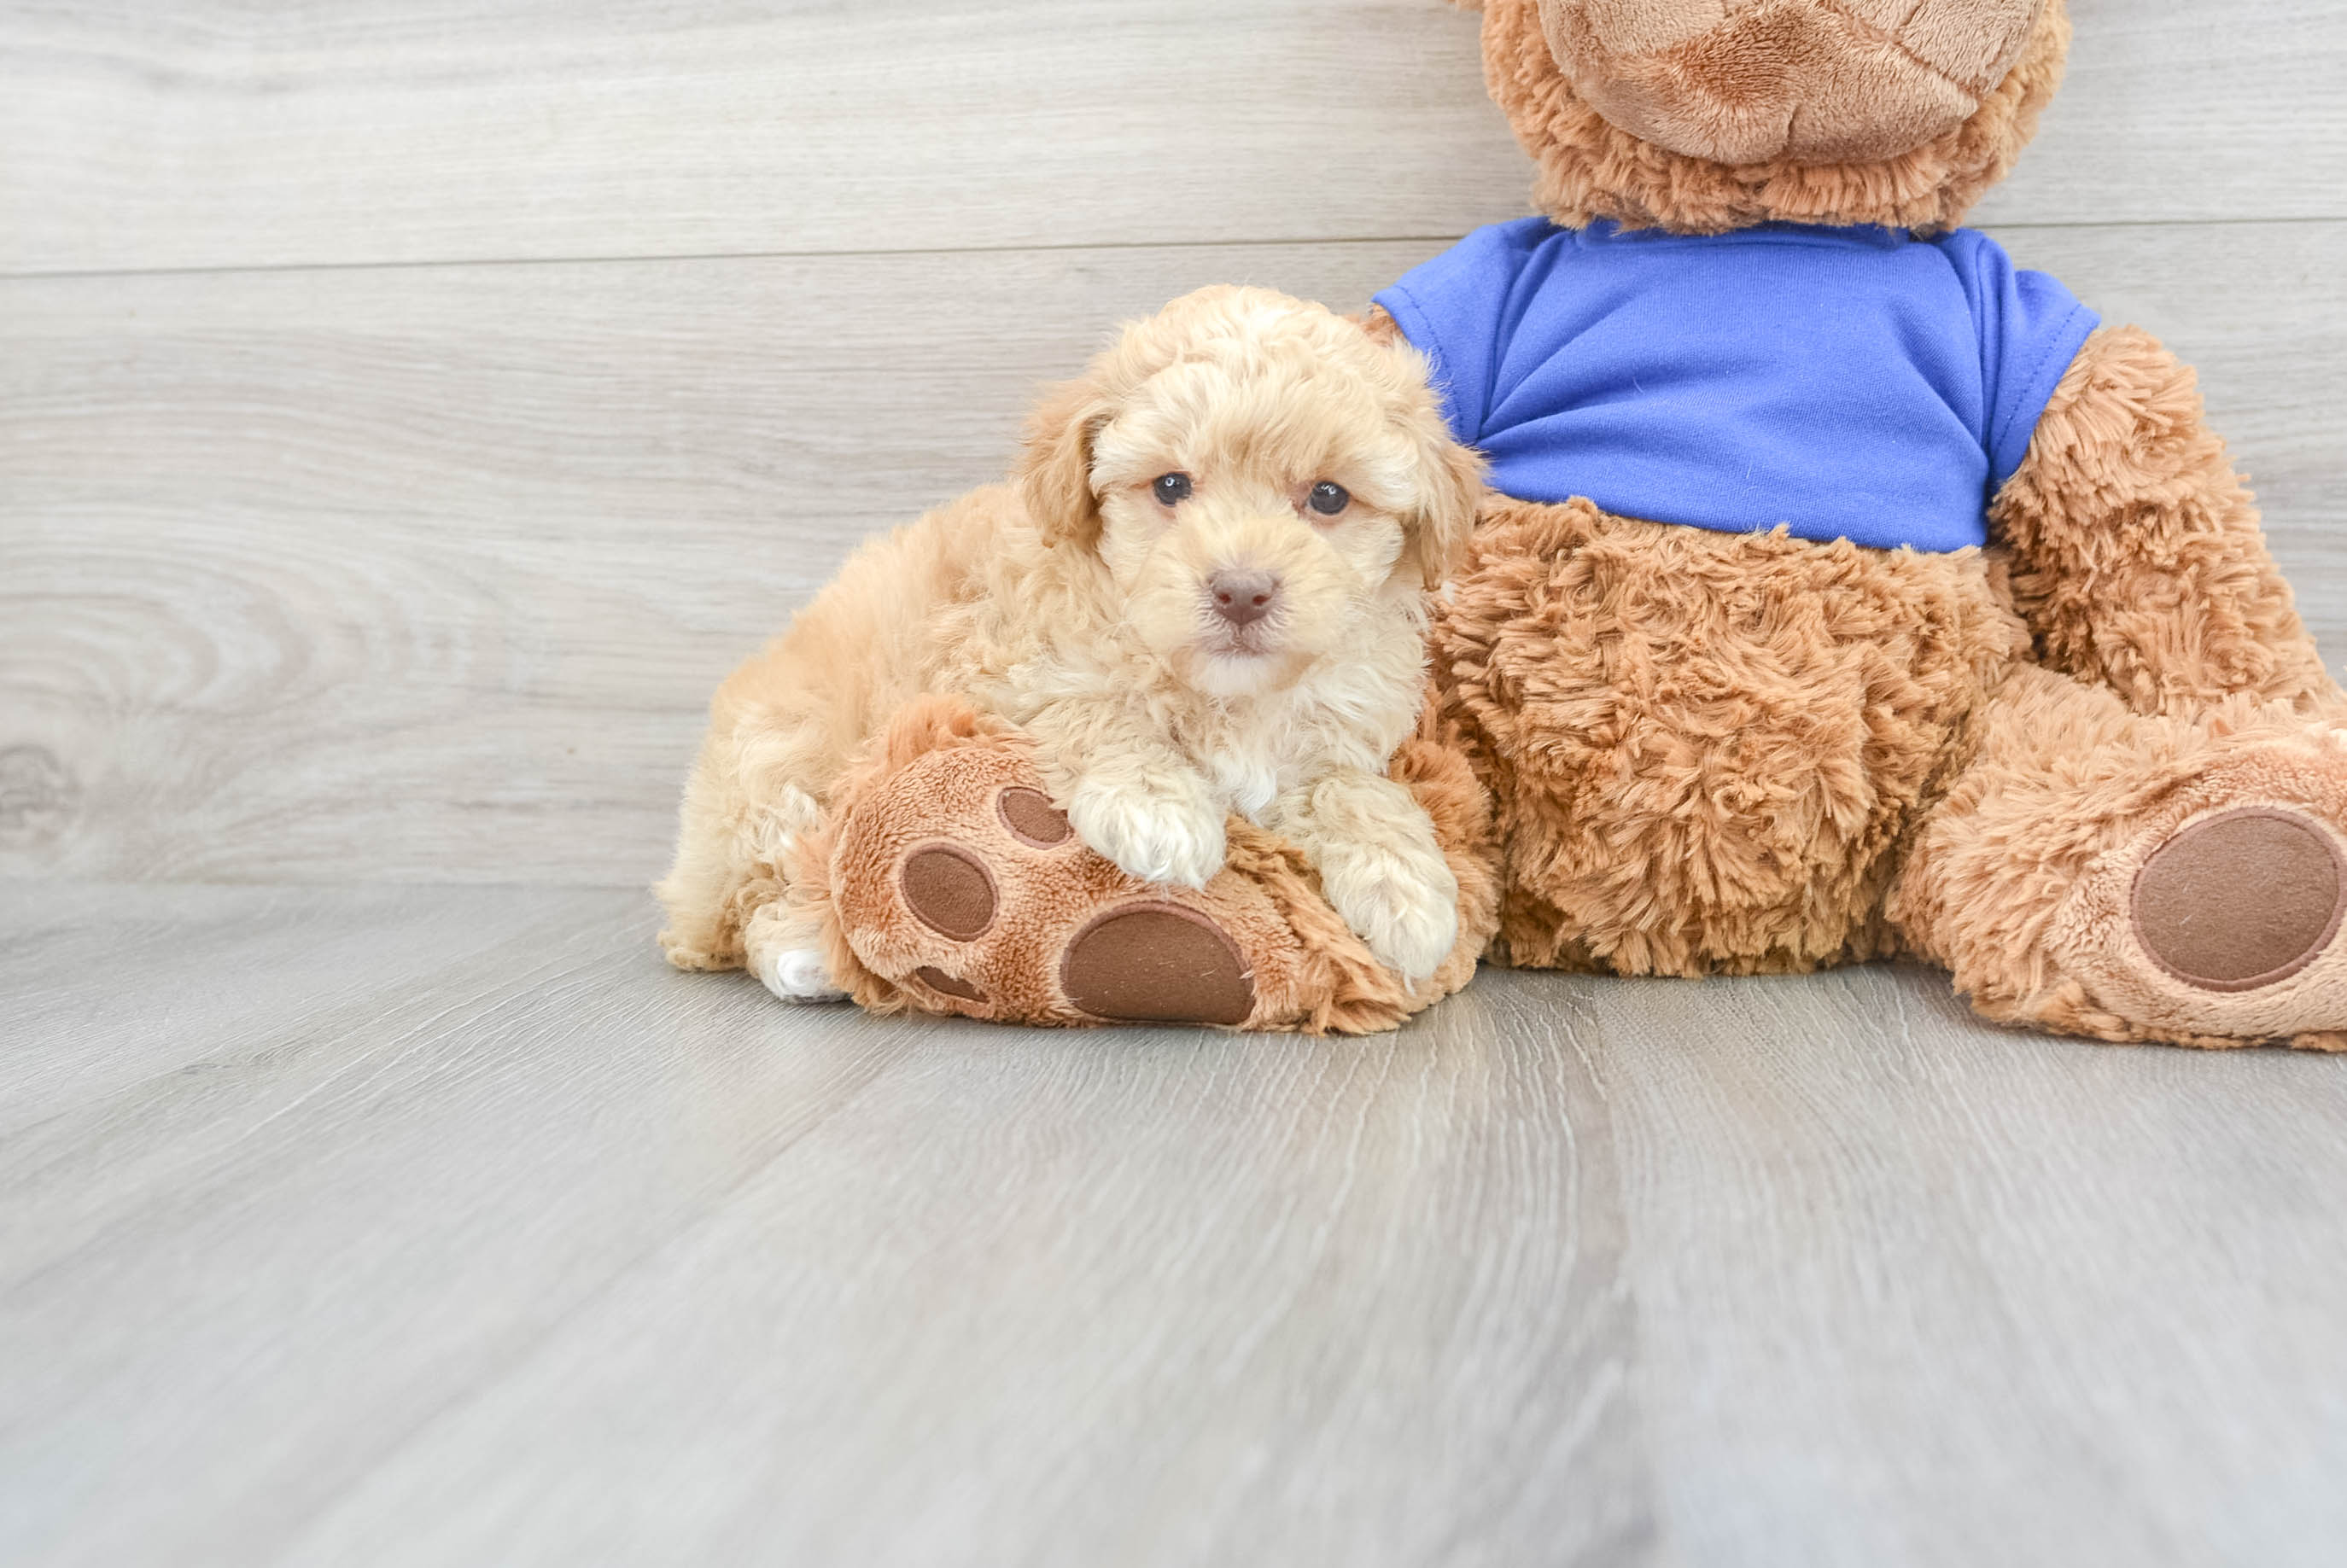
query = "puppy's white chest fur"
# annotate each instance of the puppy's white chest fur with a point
(1252, 754)
(1341, 717)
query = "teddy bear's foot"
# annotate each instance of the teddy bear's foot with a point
(2142, 878)
(956, 886)
(961, 885)
(2224, 923)
(2240, 901)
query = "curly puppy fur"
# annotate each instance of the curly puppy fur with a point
(1081, 606)
(1591, 169)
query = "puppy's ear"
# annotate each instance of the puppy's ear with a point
(1450, 477)
(1055, 474)
(1450, 487)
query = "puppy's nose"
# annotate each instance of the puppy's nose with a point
(1244, 598)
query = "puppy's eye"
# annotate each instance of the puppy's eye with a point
(1171, 489)
(1328, 498)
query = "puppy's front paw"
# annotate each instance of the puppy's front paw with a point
(1155, 837)
(1409, 915)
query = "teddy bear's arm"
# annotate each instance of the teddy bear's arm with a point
(2137, 556)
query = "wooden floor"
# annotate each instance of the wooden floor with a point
(444, 1225)
(407, 415)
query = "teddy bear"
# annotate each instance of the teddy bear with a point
(1842, 591)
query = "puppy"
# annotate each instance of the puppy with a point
(1204, 593)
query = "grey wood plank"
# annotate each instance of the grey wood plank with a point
(125, 985)
(331, 135)
(261, 1269)
(2178, 111)
(553, 1256)
(426, 575)
(216, 135)
(1912, 1290)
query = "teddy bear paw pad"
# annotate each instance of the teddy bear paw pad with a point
(1032, 817)
(936, 979)
(1157, 963)
(949, 890)
(2240, 900)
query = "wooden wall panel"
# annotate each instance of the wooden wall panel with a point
(217, 134)
(425, 573)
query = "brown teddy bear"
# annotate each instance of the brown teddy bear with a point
(1843, 592)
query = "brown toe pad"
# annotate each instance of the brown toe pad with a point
(949, 890)
(2242, 899)
(1157, 963)
(1032, 817)
(936, 979)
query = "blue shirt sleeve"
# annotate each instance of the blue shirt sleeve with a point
(1454, 310)
(2031, 328)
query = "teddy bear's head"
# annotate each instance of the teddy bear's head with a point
(1710, 115)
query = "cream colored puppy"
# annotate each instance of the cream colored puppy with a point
(1204, 593)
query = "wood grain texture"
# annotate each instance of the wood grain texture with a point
(432, 1226)
(427, 574)
(220, 135)
(1913, 1291)
(539, 1253)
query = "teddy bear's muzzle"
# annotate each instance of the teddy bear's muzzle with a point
(1813, 81)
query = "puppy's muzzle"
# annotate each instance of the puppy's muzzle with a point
(1242, 598)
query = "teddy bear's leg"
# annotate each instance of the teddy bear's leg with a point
(2137, 556)
(950, 882)
(2134, 876)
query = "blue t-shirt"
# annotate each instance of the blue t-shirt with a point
(1856, 383)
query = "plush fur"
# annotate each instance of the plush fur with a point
(1589, 168)
(2020, 882)
(2139, 561)
(1707, 748)
(1081, 605)
(1709, 751)
(1810, 82)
